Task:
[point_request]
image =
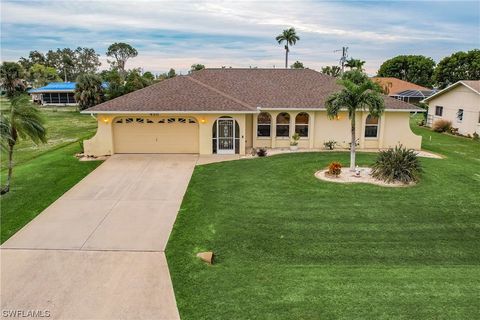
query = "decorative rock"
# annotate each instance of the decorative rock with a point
(206, 256)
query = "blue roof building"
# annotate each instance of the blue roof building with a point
(57, 93)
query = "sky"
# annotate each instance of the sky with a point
(177, 34)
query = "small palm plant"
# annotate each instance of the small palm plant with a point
(21, 120)
(290, 37)
(397, 164)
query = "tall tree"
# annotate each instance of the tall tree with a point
(413, 68)
(197, 67)
(354, 64)
(12, 77)
(41, 75)
(297, 65)
(121, 52)
(289, 36)
(88, 90)
(356, 95)
(33, 58)
(459, 66)
(21, 120)
(86, 61)
(333, 71)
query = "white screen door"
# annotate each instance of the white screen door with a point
(225, 136)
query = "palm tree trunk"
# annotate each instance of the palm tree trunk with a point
(352, 146)
(6, 188)
(286, 56)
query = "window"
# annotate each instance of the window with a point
(283, 125)
(191, 120)
(182, 120)
(161, 121)
(478, 117)
(171, 120)
(140, 120)
(301, 124)
(264, 121)
(371, 127)
(460, 115)
(119, 120)
(149, 121)
(129, 120)
(438, 111)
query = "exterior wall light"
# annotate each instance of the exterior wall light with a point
(203, 120)
(105, 120)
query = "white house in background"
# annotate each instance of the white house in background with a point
(458, 103)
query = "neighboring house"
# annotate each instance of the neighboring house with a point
(56, 93)
(231, 111)
(403, 90)
(458, 103)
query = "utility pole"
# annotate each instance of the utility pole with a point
(343, 59)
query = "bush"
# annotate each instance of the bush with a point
(330, 144)
(261, 152)
(442, 126)
(295, 138)
(475, 136)
(335, 168)
(454, 131)
(397, 164)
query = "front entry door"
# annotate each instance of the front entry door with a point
(225, 136)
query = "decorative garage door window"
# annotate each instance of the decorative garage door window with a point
(151, 120)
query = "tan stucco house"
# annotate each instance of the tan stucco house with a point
(231, 111)
(458, 103)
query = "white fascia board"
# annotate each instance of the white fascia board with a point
(167, 112)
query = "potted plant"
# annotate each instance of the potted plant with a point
(294, 142)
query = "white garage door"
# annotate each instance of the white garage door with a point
(155, 135)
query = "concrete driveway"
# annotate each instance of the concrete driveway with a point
(98, 251)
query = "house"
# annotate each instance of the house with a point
(231, 111)
(403, 90)
(56, 93)
(458, 103)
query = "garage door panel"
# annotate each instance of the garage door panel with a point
(169, 135)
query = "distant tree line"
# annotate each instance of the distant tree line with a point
(422, 70)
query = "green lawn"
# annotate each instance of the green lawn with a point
(292, 247)
(43, 173)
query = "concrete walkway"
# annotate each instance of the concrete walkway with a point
(98, 251)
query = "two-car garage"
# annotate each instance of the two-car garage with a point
(155, 135)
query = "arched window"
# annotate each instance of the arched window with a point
(301, 124)
(283, 125)
(371, 127)
(264, 121)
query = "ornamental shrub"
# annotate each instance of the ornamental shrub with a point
(442, 125)
(397, 164)
(335, 168)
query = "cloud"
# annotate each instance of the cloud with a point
(240, 33)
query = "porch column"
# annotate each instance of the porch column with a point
(273, 129)
(380, 133)
(311, 129)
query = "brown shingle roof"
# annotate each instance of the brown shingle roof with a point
(474, 84)
(177, 94)
(393, 85)
(235, 90)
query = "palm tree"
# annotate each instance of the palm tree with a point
(355, 96)
(21, 120)
(290, 37)
(88, 90)
(355, 64)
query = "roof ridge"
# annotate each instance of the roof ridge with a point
(221, 93)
